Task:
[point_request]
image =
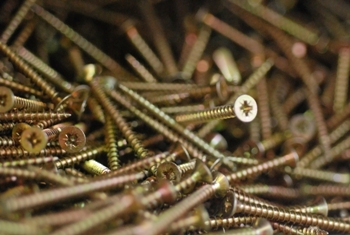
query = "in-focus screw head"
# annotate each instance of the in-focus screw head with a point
(72, 139)
(33, 140)
(245, 108)
(7, 99)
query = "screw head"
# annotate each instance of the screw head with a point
(221, 184)
(72, 139)
(227, 205)
(203, 172)
(33, 140)
(245, 108)
(7, 99)
(18, 130)
(202, 216)
(319, 206)
(169, 171)
(222, 88)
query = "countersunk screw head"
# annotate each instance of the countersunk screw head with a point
(18, 130)
(72, 139)
(227, 207)
(202, 216)
(245, 108)
(319, 206)
(169, 171)
(7, 99)
(221, 184)
(33, 139)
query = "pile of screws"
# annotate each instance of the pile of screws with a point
(174, 117)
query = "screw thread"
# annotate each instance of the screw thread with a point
(6, 127)
(298, 231)
(111, 142)
(96, 109)
(6, 141)
(143, 48)
(15, 152)
(16, 20)
(52, 133)
(94, 167)
(85, 45)
(19, 87)
(52, 75)
(20, 116)
(185, 167)
(60, 194)
(25, 162)
(158, 86)
(28, 71)
(196, 52)
(79, 157)
(221, 112)
(140, 69)
(119, 120)
(7, 227)
(326, 190)
(282, 192)
(282, 215)
(341, 82)
(230, 222)
(289, 159)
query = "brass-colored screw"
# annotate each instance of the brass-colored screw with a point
(140, 69)
(289, 159)
(51, 74)
(182, 108)
(59, 194)
(96, 109)
(8, 227)
(229, 222)
(341, 83)
(322, 175)
(274, 191)
(72, 139)
(6, 141)
(260, 227)
(28, 71)
(196, 52)
(9, 101)
(281, 215)
(79, 157)
(159, 39)
(142, 47)
(25, 33)
(111, 142)
(6, 127)
(244, 108)
(34, 139)
(16, 152)
(251, 81)
(28, 161)
(144, 86)
(21, 88)
(16, 20)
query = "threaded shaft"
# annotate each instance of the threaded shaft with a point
(111, 142)
(341, 82)
(221, 112)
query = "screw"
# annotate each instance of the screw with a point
(111, 142)
(28, 161)
(28, 71)
(96, 109)
(229, 222)
(60, 194)
(289, 159)
(166, 87)
(322, 175)
(244, 108)
(71, 139)
(49, 73)
(8, 227)
(169, 171)
(250, 82)
(140, 69)
(9, 101)
(270, 190)
(260, 227)
(16, 20)
(19, 87)
(24, 34)
(281, 215)
(159, 39)
(341, 82)
(72, 159)
(196, 52)
(142, 47)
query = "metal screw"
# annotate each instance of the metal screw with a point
(94, 167)
(9, 101)
(289, 159)
(227, 65)
(281, 215)
(142, 47)
(244, 108)
(140, 69)
(71, 139)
